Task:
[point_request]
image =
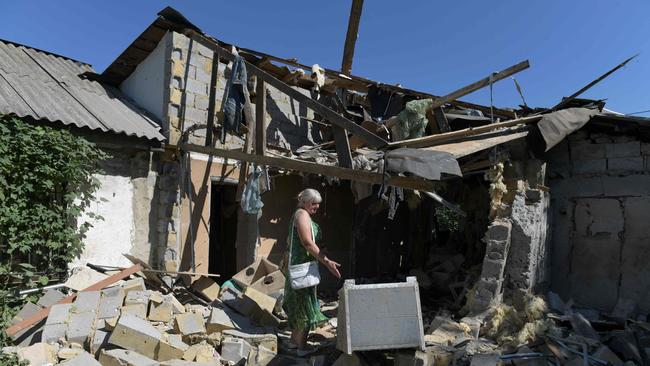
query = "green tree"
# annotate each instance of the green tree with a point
(46, 183)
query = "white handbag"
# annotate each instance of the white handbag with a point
(306, 274)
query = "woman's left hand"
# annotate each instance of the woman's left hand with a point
(333, 267)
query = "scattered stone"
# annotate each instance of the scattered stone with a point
(99, 341)
(122, 357)
(189, 323)
(110, 303)
(136, 284)
(80, 327)
(38, 354)
(207, 288)
(87, 301)
(162, 312)
(139, 310)
(267, 340)
(82, 359)
(137, 297)
(137, 335)
(234, 349)
(219, 321)
(84, 278)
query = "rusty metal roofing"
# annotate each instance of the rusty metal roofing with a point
(45, 86)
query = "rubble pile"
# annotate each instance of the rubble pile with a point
(137, 322)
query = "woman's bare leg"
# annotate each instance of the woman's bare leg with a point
(299, 338)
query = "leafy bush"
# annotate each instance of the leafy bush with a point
(46, 184)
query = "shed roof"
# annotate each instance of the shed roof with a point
(45, 86)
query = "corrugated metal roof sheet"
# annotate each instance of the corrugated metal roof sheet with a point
(48, 87)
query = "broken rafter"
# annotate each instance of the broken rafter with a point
(351, 37)
(439, 102)
(588, 86)
(331, 116)
(454, 135)
(43, 313)
(315, 168)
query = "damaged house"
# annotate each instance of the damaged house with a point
(211, 142)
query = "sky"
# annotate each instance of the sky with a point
(431, 46)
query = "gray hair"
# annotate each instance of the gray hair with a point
(308, 195)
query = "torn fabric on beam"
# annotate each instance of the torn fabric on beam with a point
(555, 126)
(425, 164)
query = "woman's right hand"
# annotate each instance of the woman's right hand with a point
(333, 267)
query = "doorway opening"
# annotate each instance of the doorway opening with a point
(223, 229)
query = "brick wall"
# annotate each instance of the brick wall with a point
(600, 191)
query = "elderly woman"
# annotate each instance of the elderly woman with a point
(302, 307)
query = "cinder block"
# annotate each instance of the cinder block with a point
(630, 163)
(168, 351)
(59, 314)
(136, 284)
(591, 166)
(99, 341)
(84, 359)
(139, 310)
(136, 334)
(493, 268)
(177, 307)
(499, 230)
(53, 332)
(50, 298)
(161, 313)
(219, 321)
(110, 303)
(80, 327)
(267, 340)
(189, 323)
(87, 301)
(197, 87)
(207, 287)
(367, 311)
(254, 272)
(234, 349)
(122, 357)
(625, 149)
(137, 297)
(270, 283)
(202, 353)
(587, 151)
(263, 301)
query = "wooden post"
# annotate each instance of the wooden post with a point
(214, 79)
(351, 37)
(342, 144)
(260, 118)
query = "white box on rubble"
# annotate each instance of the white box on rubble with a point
(379, 316)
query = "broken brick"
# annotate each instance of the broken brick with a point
(136, 334)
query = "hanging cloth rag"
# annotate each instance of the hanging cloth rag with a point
(234, 99)
(251, 201)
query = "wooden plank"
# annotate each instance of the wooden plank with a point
(450, 136)
(333, 117)
(464, 148)
(260, 117)
(439, 102)
(43, 313)
(342, 146)
(588, 86)
(440, 120)
(314, 168)
(214, 79)
(351, 37)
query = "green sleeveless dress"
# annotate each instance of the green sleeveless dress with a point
(302, 307)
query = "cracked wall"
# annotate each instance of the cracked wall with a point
(600, 208)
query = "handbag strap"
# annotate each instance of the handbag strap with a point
(293, 222)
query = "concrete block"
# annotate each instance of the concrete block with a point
(38, 354)
(267, 340)
(99, 341)
(110, 303)
(122, 357)
(254, 272)
(136, 334)
(630, 163)
(161, 313)
(234, 349)
(587, 151)
(196, 115)
(53, 332)
(59, 314)
(417, 358)
(219, 321)
(270, 283)
(207, 288)
(625, 149)
(202, 102)
(263, 301)
(156, 297)
(189, 323)
(598, 215)
(84, 359)
(139, 310)
(177, 307)
(366, 311)
(592, 166)
(234, 299)
(137, 297)
(630, 185)
(168, 351)
(50, 298)
(499, 230)
(260, 356)
(202, 353)
(493, 268)
(87, 301)
(80, 327)
(29, 336)
(136, 284)
(197, 87)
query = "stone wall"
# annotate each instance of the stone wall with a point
(600, 187)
